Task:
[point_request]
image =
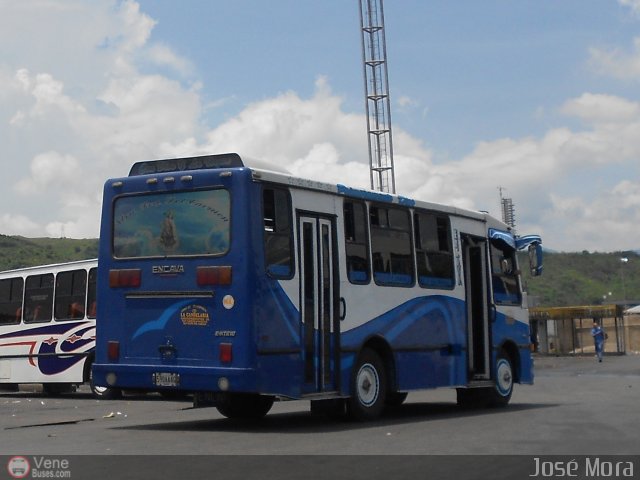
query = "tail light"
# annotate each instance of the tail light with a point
(226, 352)
(113, 350)
(213, 275)
(125, 278)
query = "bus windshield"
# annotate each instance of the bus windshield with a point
(172, 224)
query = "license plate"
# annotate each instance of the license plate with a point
(166, 379)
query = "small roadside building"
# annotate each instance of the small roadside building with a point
(567, 330)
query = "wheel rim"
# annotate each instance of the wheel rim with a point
(368, 385)
(504, 377)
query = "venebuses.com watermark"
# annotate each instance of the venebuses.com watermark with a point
(38, 467)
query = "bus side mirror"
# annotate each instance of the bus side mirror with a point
(535, 259)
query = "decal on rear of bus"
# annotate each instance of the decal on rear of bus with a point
(194, 315)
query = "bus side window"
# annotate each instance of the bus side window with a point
(11, 290)
(278, 232)
(356, 242)
(38, 298)
(391, 246)
(71, 290)
(434, 251)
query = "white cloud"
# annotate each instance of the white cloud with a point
(284, 129)
(633, 4)
(78, 129)
(164, 55)
(607, 219)
(617, 63)
(600, 108)
(16, 224)
(50, 169)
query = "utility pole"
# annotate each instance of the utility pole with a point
(376, 84)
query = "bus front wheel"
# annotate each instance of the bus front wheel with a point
(243, 405)
(368, 387)
(498, 395)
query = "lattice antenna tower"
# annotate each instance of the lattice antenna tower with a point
(376, 84)
(508, 210)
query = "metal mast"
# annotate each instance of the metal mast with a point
(376, 84)
(508, 210)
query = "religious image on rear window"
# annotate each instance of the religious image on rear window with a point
(167, 224)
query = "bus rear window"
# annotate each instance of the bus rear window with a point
(172, 224)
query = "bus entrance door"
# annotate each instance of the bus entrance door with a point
(476, 292)
(318, 301)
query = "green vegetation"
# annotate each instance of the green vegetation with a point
(568, 278)
(584, 278)
(18, 252)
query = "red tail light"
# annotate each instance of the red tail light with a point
(226, 352)
(213, 275)
(113, 350)
(125, 278)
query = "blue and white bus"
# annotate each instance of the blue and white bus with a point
(48, 326)
(245, 285)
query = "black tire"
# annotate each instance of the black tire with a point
(105, 393)
(57, 389)
(368, 387)
(243, 405)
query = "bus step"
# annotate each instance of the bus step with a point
(322, 396)
(480, 384)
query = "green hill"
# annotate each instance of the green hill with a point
(18, 252)
(568, 279)
(585, 279)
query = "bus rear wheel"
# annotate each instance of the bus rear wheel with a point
(103, 393)
(243, 405)
(368, 387)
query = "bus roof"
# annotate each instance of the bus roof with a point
(203, 162)
(268, 172)
(53, 266)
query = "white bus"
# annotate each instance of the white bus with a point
(48, 327)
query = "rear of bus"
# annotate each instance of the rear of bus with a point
(177, 286)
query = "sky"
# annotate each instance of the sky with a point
(538, 97)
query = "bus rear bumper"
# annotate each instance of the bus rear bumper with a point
(171, 377)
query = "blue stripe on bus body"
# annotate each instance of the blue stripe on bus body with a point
(364, 194)
(395, 324)
(50, 360)
(48, 329)
(287, 310)
(53, 364)
(427, 336)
